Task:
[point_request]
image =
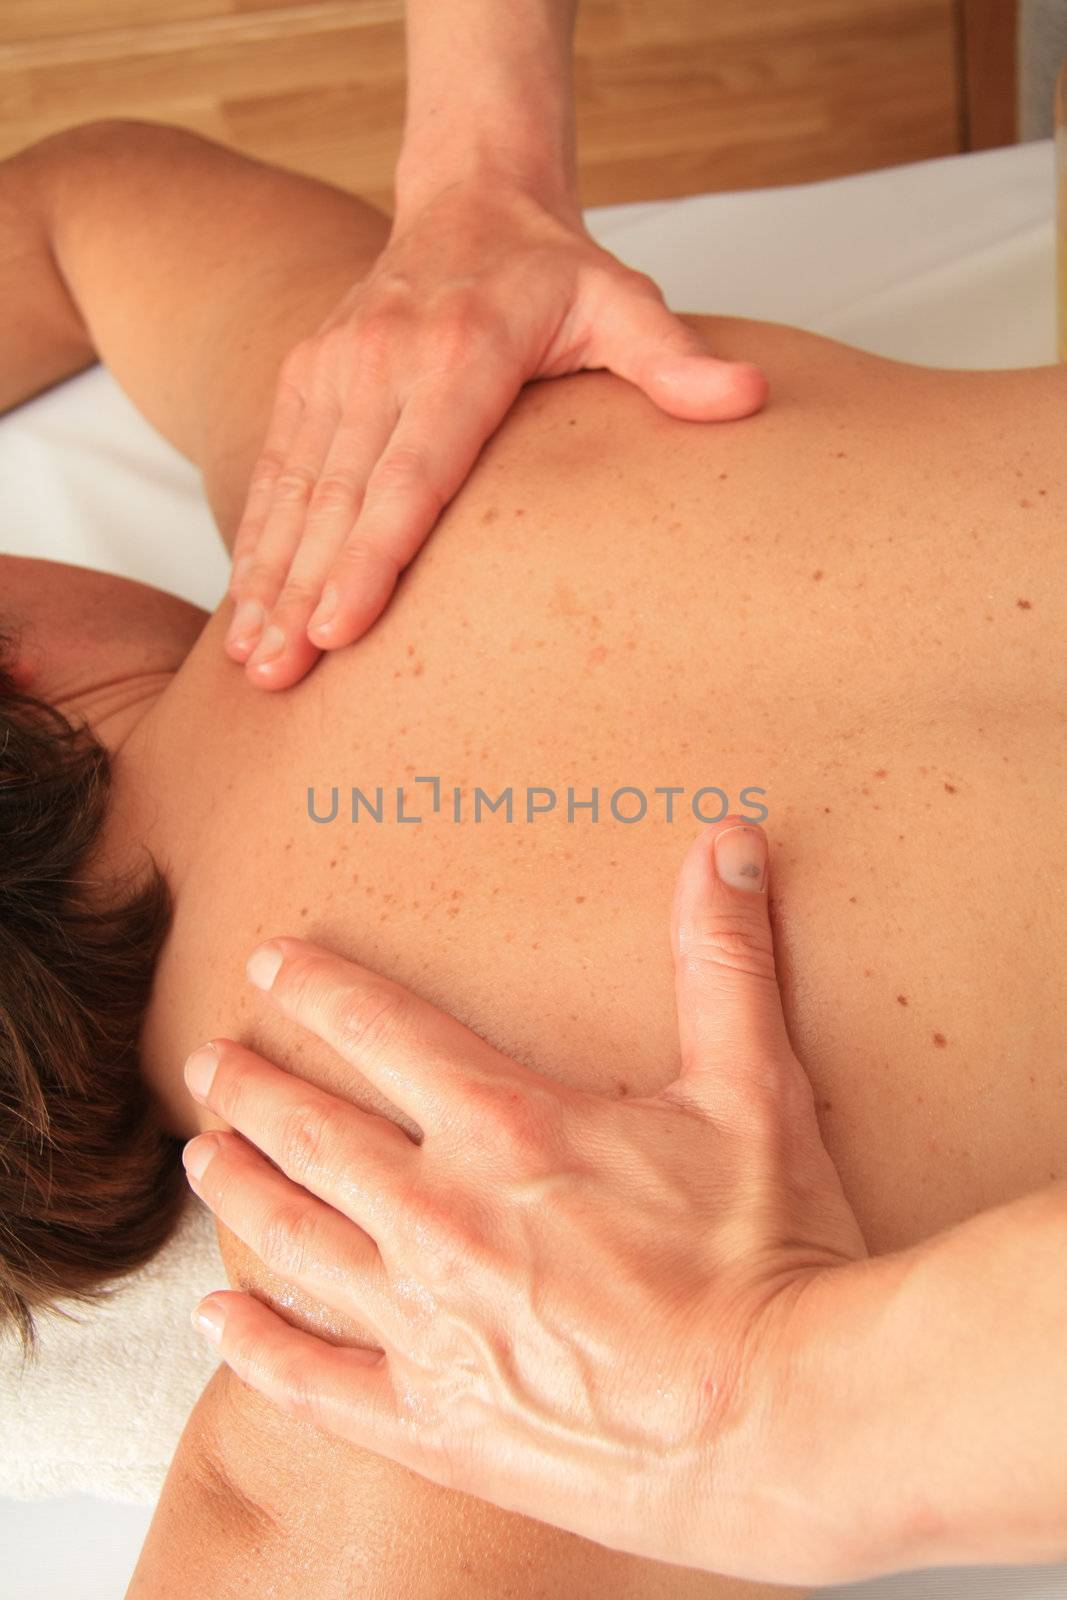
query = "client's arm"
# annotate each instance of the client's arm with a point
(187, 269)
(42, 334)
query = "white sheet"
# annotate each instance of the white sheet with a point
(946, 262)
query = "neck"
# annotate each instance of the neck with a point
(118, 714)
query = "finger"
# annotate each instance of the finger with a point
(341, 1388)
(359, 1163)
(731, 1027)
(431, 451)
(296, 1235)
(286, 415)
(646, 344)
(335, 502)
(418, 1056)
(291, 493)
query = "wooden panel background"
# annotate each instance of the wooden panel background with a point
(674, 96)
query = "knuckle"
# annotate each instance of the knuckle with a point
(404, 468)
(265, 472)
(459, 324)
(303, 1133)
(285, 1238)
(362, 556)
(447, 1229)
(294, 485)
(523, 1121)
(378, 331)
(368, 1021)
(336, 491)
(262, 580)
(738, 945)
(298, 595)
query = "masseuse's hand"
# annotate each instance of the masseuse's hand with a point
(379, 416)
(595, 1311)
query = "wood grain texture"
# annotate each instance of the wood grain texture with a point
(674, 96)
(987, 72)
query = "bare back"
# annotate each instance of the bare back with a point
(854, 603)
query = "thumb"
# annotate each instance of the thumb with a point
(652, 349)
(734, 1043)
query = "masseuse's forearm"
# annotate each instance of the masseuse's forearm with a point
(938, 1415)
(488, 93)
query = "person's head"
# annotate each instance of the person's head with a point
(90, 1183)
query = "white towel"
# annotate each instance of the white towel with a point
(101, 1406)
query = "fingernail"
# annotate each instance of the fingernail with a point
(741, 857)
(247, 623)
(208, 1319)
(200, 1070)
(269, 647)
(323, 613)
(198, 1155)
(262, 966)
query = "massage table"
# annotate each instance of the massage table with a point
(947, 262)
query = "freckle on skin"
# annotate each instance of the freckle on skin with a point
(881, 773)
(303, 911)
(940, 1040)
(902, 999)
(816, 575)
(623, 1087)
(723, 476)
(490, 514)
(867, 973)
(950, 788)
(852, 899)
(826, 1105)
(579, 899)
(826, 809)
(1024, 605)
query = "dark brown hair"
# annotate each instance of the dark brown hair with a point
(90, 1183)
